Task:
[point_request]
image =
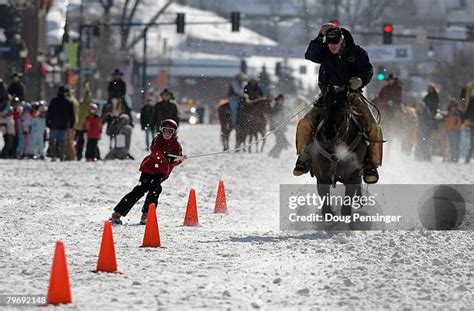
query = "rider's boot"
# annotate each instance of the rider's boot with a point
(304, 133)
(370, 173)
(303, 164)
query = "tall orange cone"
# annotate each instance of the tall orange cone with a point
(107, 261)
(152, 233)
(59, 291)
(191, 218)
(221, 204)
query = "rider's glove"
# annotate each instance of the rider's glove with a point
(325, 27)
(355, 83)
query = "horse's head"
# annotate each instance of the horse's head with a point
(335, 113)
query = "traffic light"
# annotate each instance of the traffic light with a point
(381, 73)
(180, 23)
(235, 20)
(387, 33)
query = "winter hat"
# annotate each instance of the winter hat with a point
(93, 107)
(43, 108)
(27, 107)
(117, 72)
(333, 35)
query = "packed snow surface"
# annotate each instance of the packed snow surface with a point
(240, 260)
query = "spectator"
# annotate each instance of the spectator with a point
(16, 87)
(59, 118)
(165, 109)
(17, 110)
(117, 87)
(93, 127)
(38, 127)
(424, 132)
(453, 125)
(7, 127)
(431, 100)
(469, 115)
(26, 118)
(4, 96)
(122, 140)
(83, 111)
(71, 132)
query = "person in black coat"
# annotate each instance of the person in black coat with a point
(16, 87)
(146, 121)
(344, 64)
(59, 118)
(253, 89)
(431, 100)
(117, 87)
(4, 96)
(165, 109)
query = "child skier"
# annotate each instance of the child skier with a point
(93, 127)
(155, 168)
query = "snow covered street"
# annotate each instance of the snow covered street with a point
(240, 260)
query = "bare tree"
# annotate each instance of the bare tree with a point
(453, 74)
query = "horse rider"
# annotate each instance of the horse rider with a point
(392, 91)
(236, 94)
(342, 63)
(253, 89)
(117, 87)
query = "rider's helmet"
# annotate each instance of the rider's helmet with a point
(333, 35)
(169, 126)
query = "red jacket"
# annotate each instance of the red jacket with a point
(391, 92)
(93, 126)
(157, 162)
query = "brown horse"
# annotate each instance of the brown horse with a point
(253, 119)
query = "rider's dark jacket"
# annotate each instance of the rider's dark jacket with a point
(352, 61)
(117, 89)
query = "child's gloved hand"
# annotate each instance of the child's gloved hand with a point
(179, 159)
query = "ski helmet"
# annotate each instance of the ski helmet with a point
(169, 125)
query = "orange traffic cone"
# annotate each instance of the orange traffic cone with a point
(191, 218)
(59, 291)
(221, 204)
(107, 261)
(152, 233)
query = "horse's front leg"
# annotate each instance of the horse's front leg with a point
(323, 191)
(352, 190)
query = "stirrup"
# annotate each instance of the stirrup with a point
(371, 176)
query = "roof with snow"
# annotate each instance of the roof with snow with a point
(211, 32)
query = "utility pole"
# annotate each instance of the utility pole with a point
(79, 49)
(144, 64)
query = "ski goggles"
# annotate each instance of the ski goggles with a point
(168, 130)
